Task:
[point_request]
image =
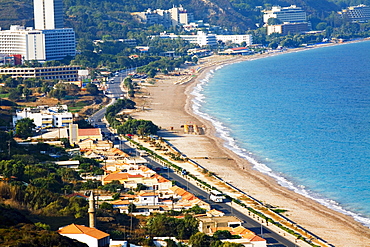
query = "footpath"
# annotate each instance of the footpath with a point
(197, 173)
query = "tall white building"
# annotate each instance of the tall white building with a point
(40, 45)
(291, 14)
(48, 14)
(202, 38)
(49, 41)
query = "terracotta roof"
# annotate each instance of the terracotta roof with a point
(257, 239)
(116, 176)
(147, 193)
(240, 230)
(121, 202)
(89, 132)
(121, 176)
(183, 193)
(160, 178)
(119, 152)
(79, 229)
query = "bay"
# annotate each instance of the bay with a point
(302, 118)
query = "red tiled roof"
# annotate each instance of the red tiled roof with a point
(89, 132)
(120, 176)
(160, 178)
(79, 229)
(116, 176)
(257, 239)
(239, 48)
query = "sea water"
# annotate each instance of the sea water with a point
(302, 118)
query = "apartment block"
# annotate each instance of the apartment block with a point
(64, 73)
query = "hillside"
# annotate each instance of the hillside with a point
(94, 18)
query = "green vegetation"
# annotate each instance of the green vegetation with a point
(130, 125)
(161, 225)
(24, 128)
(201, 239)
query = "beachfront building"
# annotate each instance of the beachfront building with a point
(45, 116)
(201, 38)
(236, 51)
(360, 13)
(288, 28)
(64, 73)
(207, 39)
(175, 16)
(291, 14)
(236, 39)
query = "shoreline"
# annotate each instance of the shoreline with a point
(167, 101)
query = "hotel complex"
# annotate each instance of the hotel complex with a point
(360, 13)
(48, 41)
(204, 39)
(291, 14)
(293, 20)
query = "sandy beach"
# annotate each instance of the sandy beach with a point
(168, 104)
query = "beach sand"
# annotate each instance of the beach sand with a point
(168, 104)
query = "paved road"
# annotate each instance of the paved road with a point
(273, 239)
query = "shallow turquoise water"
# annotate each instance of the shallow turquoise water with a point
(303, 118)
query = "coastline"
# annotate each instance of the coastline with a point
(165, 107)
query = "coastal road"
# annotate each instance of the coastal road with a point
(273, 239)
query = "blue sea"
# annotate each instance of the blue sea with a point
(302, 118)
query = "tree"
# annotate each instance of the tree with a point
(194, 59)
(92, 89)
(131, 208)
(106, 206)
(200, 239)
(222, 234)
(24, 127)
(274, 21)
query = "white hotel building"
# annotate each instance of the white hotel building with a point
(44, 116)
(41, 45)
(291, 14)
(204, 39)
(48, 41)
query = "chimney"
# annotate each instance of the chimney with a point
(91, 210)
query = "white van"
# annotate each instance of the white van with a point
(216, 196)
